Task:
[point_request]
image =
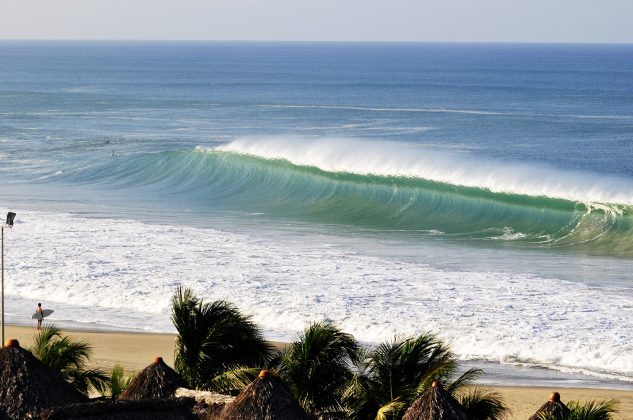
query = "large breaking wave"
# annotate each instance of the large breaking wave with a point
(382, 185)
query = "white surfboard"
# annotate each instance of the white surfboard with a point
(43, 314)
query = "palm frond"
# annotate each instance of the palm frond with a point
(85, 380)
(465, 380)
(592, 410)
(398, 370)
(212, 338)
(235, 380)
(317, 366)
(484, 404)
(391, 410)
(67, 357)
(116, 383)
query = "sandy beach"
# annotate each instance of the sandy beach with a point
(134, 351)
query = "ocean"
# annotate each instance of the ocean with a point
(480, 191)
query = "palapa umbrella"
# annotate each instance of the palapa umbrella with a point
(27, 386)
(265, 398)
(156, 381)
(554, 408)
(435, 404)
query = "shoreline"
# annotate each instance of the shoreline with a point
(135, 350)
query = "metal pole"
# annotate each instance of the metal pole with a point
(2, 292)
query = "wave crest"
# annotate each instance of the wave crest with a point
(372, 186)
(367, 157)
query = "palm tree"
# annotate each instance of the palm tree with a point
(390, 376)
(317, 367)
(591, 410)
(67, 357)
(213, 338)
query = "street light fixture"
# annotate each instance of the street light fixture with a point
(7, 223)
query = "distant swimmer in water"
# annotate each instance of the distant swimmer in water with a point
(107, 142)
(113, 152)
(39, 321)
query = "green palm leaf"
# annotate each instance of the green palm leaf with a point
(484, 404)
(398, 370)
(391, 410)
(67, 357)
(212, 338)
(592, 410)
(116, 383)
(317, 366)
(235, 380)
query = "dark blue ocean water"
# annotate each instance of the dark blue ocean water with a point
(512, 159)
(570, 106)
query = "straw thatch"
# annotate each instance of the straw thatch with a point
(264, 399)
(209, 405)
(553, 408)
(27, 386)
(3, 415)
(206, 397)
(165, 409)
(155, 381)
(435, 404)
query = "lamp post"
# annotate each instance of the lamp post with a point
(7, 223)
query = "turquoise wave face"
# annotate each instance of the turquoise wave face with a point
(277, 188)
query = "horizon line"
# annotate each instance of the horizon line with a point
(312, 41)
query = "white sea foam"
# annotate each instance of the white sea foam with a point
(401, 159)
(123, 273)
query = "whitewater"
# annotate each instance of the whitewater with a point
(125, 272)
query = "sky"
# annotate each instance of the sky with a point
(597, 21)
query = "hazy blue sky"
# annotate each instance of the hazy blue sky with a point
(327, 20)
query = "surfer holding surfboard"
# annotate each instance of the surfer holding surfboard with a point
(40, 314)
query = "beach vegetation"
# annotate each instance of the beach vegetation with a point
(393, 374)
(117, 382)
(590, 410)
(483, 404)
(318, 366)
(213, 337)
(69, 358)
(233, 381)
(326, 370)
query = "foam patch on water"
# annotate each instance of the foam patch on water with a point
(407, 160)
(123, 273)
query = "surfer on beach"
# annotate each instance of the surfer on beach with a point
(39, 320)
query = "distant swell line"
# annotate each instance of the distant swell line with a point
(446, 111)
(358, 108)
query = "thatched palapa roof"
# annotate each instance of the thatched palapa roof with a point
(164, 409)
(265, 398)
(155, 381)
(554, 407)
(27, 386)
(435, 404)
